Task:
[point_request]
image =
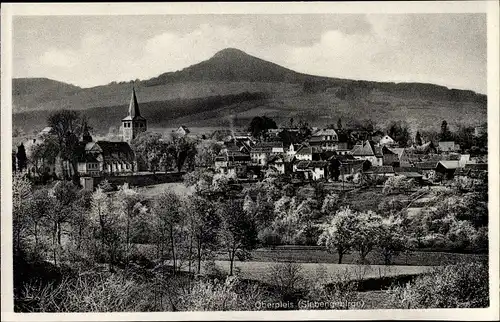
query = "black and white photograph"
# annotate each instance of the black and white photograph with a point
(289, 158)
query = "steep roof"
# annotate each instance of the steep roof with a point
(323, 132)
(448, 164)
(112, 150)
(133, 109)
(426, 165)
(311, 164)
(367, 148)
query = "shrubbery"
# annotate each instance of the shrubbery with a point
(463, 285)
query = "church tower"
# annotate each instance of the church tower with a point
(134, 123)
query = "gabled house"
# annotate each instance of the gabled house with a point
(387, 140)
(182, 131)
(307, 152)
(311, 170)
(279, 163)
(403, 156)
(232, 161)
(448, 146)
(262, 151)
(103, 158)
(427, 169)
(327, 139)
(368, 151)
(426, 148)
(445, 169)
(380, 171)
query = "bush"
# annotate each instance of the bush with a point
(454, 286)
(227, 295)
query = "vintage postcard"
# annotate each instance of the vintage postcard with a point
(274, 161)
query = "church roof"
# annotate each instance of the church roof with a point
(133, 109)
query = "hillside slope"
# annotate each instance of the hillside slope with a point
(231, 72)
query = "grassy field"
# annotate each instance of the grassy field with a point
(257, 270)
(318, 255)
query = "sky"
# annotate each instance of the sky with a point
(446, 49)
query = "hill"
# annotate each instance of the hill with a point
(282, 93)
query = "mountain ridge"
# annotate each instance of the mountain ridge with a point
(233, 73)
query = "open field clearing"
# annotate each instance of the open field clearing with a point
(260, 270)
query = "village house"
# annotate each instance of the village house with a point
(368, 151)
(403, 157)
(448, 147)
(386, 140)
(311, 170)
(309, 153)
(327, 139)
(380, 171)
(233, 161)
(262, 151)
(181, 131)
(279, 162)
(426, 148)
(445, 169)
(427, 169)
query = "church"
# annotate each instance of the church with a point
(112, 158)
(96, 158)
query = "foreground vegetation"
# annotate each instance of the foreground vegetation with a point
(89, 241)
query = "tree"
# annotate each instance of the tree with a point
(68, 126)
(182, 151)
(238, 234)
(418, 139)
(288, 278)
(338, 232)
(445, 134)
(260, 124)
(366, 233)
(104, 217)
(40, 206)
(464, 136)
(204, 225)
(400, 132)
(391, 239)
(339, 124)
(330, 204)
(129, 203)
(167, 211)
(44, 153)
(207, 151)
(21, 157)
(151, 150)
(21, 190)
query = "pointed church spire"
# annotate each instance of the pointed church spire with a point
(133, 108)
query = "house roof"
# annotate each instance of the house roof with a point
(307, 149)
(382, 169)
(367, 148)
(266, 147)
(405, 169)
(323, 132)
(411, 174)
(311, 164)
(121, 149)
(185, 129)
(448, 164)
(398, 151)
(426, 165)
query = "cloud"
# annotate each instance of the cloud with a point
(448, 49)
(59, 58)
